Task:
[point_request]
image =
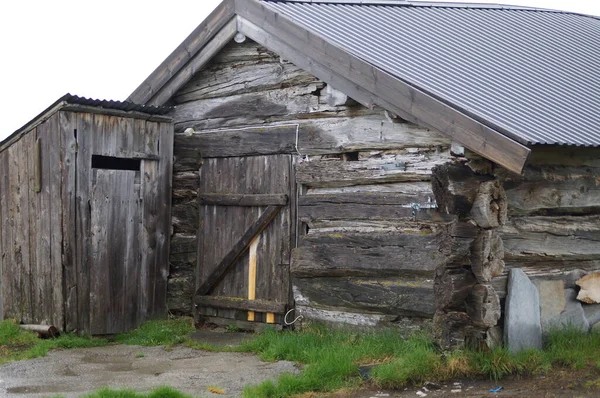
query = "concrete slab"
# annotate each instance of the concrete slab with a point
(73, 373)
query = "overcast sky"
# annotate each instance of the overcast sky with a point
(105, 49)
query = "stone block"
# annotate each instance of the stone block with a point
(522, 323)
(592, 313)
(590, 288)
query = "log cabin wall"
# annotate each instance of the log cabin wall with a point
(369, 239)
(546, 221)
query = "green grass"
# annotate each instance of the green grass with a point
(330, 358)
(162, 392)
(17, 344)
(155, 333)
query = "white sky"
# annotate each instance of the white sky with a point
(106, 49)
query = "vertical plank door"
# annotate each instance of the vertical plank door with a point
(115, 260)
(245, 207)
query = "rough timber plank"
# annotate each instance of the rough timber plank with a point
(260, 70)
(551, 239)
(410, 296)
(371, 206)
(243, 200)
(316, 136)
(67, 126)
(241, 304)
(461, 127)
(370, 254)
(553, 190)
(85, 149)
(392, 168)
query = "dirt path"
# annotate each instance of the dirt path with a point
(74, 372)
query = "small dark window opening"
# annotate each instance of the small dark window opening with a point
(350, 157)
(113, 163)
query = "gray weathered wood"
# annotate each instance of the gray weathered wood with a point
(457, 125)
(392, 168)
(483, 306)
(237, 250)
(408, 296)
(243, 199)
(373, 254)
(241, 304)
(490, 206)
(487, 256)
(452, 287)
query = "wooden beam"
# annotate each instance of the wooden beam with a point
(384, 88)
(237, 303)
(185, 74)
(238, 249)
(244, 200)
(184, 52)
(252, 263)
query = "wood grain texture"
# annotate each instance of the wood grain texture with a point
(387, 169)
(396, 296)
(369, 254)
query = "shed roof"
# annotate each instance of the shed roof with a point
(499, 79)
(82, 104)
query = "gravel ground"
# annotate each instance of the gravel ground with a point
(72, 373)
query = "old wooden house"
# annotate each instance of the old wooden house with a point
(85, 197)
(379, 162)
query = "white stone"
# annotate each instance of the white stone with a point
(522, 323)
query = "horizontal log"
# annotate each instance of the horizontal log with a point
(368, 226)
(184, 216)
(553, 190)
(242, 325)
(180, 291)
(185, 184)
(395, 296)
(340, 316)
(417, 188)
(394, 168)
(375, 254)
(44, 331)
(235, 303)
(315, 136)
(548, 239)
(249, 109)
(569, 272)
(376, 206)
(241, 77)
(246, 200)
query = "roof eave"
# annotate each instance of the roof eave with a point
(183, 53)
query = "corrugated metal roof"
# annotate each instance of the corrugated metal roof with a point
(124, 106)
(533, 74)
(70, 99)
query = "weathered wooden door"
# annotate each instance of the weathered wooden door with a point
(116, 208)
(245, 239)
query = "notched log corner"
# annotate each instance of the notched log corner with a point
(483, 306)
(490, 206)
(487, 256)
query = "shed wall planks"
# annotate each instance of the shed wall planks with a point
(71, 254)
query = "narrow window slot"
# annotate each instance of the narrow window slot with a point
(114, 163)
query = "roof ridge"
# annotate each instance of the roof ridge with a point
(437, 4)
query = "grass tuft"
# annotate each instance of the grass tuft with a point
(17, 344)
(155, 333)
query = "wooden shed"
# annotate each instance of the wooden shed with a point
(85, 200)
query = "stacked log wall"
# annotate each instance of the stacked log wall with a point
(546, 222)
(371, 239)
(553, 229)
